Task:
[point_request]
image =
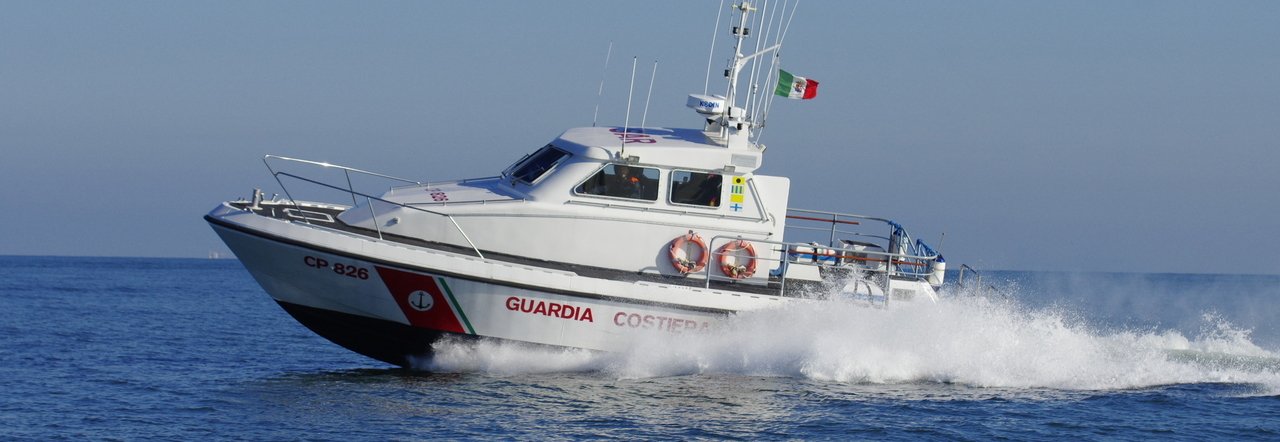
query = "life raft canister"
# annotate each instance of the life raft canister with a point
(680, 257)
(730, 260)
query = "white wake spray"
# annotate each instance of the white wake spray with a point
(967, 340)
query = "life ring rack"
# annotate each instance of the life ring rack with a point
(729, 260)
(680, 258)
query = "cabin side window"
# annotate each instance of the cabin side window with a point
(696, 188)
(622, 181)
(533, 167)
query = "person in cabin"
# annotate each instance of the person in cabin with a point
(709, 191)
(625, 183)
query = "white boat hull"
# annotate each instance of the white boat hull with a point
(389, 302)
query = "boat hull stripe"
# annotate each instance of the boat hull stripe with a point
(453, 301)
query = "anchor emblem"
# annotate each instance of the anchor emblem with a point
(421, 301)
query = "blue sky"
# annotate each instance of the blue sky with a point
(1115, 136)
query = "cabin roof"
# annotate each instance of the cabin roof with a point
(610, 138)
(690, 148)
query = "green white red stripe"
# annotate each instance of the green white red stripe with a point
(457, 308)
(791, 86)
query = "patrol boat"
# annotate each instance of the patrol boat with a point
(602, 235)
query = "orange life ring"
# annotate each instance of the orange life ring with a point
(729, 261)
(680, 258)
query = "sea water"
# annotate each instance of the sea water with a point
(118, 348)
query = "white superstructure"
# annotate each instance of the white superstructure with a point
(602, 233)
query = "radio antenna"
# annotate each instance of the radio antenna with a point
(715, 30)
(600, 92)
(645, 116)
(626, 123)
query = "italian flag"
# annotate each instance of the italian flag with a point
(791, 86)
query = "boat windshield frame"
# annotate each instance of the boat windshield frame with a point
(536, 165)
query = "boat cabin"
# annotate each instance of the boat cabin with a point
(600, 197)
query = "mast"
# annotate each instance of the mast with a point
(727, 122)
(739, 34)
(735, 124)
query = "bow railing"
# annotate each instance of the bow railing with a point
(350, 190)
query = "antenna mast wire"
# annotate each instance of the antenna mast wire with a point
(761, 105)
(777, 61)
(645, 116)
(753, 103)
(719, 13)
(600, 92)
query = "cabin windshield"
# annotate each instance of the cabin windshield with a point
(532, 167)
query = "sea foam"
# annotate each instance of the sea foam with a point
(968, 340)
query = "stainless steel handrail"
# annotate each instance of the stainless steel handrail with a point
(716, 215)
(265, 159)
(755, 195)
(960, 277)
(890, 259)
(845, 232)
(351, 191)
(833, 218)
(838, 214)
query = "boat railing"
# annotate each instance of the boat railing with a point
(350, 190)
(877, 266)
(897, 241)
(977, 276)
